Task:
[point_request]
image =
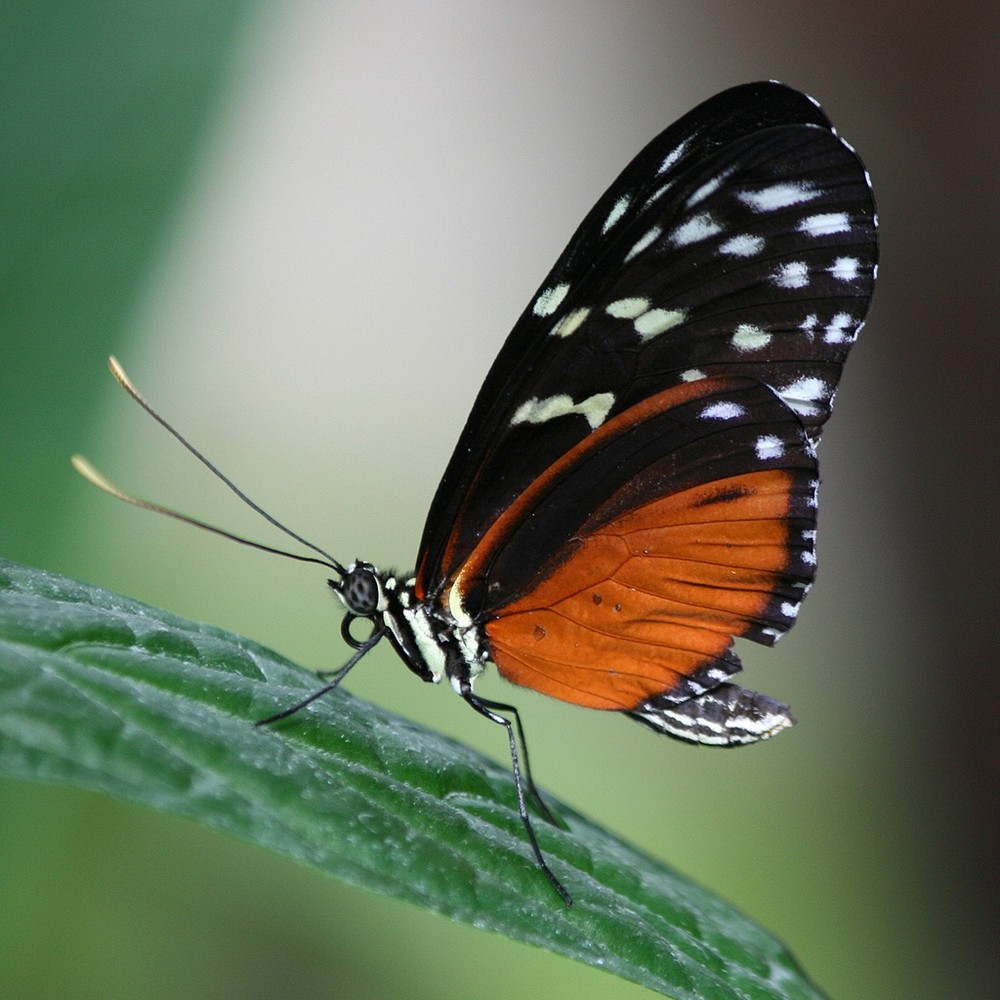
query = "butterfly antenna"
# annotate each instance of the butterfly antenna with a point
(93, 476)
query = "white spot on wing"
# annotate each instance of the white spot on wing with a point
(617, 211)
(658, 194)
(570, 323)
(778, 196)
(846, 269)
(697, 228)
(643, 242)
(704, 191)
(749, 337)
(550, 300)
(769, 446)
(793, 275)
(657, 321)
(825, 224)
(692, 375)
(723, 411)
(672, 157)
(804, 394)
(742, 246)
(841, 329)
(627, 308)
(537, 411)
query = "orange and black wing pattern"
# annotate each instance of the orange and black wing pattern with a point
(635, 487)
(683, 523)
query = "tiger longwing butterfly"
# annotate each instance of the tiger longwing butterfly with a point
(636, 484)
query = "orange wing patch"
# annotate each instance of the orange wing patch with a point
(653, 596)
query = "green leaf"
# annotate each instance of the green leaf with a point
(103, 692)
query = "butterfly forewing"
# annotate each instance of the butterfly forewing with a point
(740, 241)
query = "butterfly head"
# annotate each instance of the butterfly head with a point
(361, 590)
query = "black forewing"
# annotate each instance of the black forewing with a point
(739, 241)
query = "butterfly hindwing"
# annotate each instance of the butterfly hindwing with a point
(741, 241)
(681, 523)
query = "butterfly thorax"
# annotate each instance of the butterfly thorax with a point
(428, 638)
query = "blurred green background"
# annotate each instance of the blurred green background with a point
(305, 228)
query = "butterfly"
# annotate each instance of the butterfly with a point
(636, 485)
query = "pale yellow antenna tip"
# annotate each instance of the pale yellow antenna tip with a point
(123, 380)
(93, 476)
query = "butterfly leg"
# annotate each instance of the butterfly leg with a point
(497, 706)
(490, 710)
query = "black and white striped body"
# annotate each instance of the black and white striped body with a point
(427, 637)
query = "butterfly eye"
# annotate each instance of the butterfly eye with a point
(360, 590)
